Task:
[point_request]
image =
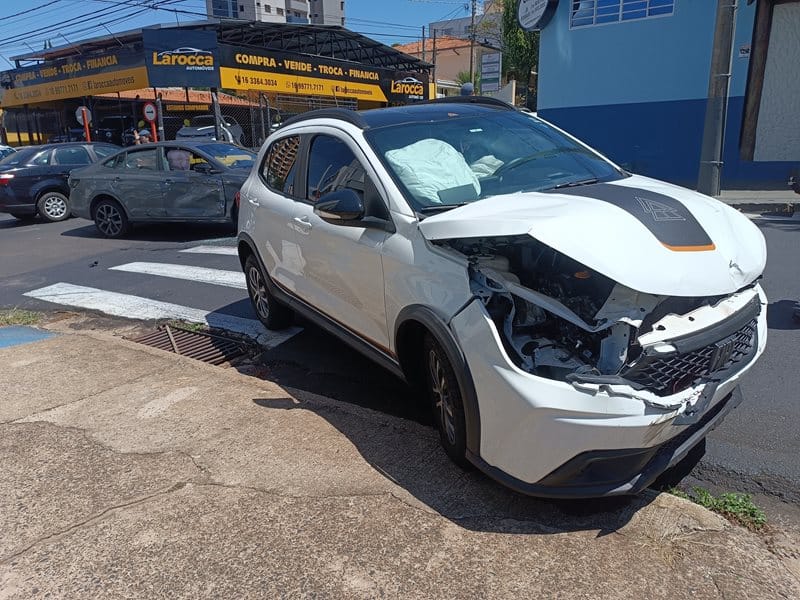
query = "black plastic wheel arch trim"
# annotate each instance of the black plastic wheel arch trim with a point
(469, 397)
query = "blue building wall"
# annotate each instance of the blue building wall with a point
(636, 90)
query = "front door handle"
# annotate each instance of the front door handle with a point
(303, 224)
(169, 181)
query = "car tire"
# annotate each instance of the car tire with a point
(110, 219)
(445, 396)
(269, 311)
(53, 207)
(23, 218)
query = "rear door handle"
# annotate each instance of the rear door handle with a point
(169, 181)
(303, 224)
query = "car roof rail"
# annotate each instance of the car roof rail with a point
(342, 114)
(483, 100)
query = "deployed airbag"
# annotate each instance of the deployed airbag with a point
(429, 166)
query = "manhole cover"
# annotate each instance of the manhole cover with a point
(208, 347)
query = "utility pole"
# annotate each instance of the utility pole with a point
(708, 181)
(472, 44)
(423, 43)
(433, 62)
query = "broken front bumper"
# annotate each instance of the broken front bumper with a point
(550, 438)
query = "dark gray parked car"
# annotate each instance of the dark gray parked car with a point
(194, 182)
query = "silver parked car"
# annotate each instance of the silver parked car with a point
(201, 127)
(194, 182)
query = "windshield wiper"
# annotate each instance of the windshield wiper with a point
(570, 184)
(425, 210)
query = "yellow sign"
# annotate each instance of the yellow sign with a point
(75, 87)
(242, 79)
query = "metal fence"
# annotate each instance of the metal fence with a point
(244, 118)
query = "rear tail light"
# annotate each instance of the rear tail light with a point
(236, 199)
(5, 178)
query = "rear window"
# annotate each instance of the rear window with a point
(20, 157)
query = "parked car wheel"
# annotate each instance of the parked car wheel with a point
(268, 310)
(53, 206)
(110, 219)
(23, 217)
(445, 394)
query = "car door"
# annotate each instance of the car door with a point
(342, 271)
(271, 198)
(193, 185)
(66, 158)
(138, 182)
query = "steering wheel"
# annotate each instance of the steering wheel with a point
(521, 160)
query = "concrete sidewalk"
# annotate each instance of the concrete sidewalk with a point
(128, 472)
(780, 201)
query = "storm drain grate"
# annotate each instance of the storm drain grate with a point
(207, 347)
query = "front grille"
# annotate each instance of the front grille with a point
(675, 373)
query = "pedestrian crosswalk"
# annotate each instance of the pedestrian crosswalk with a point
(213, 276)
(136, 306)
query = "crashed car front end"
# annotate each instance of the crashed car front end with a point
(586, 385)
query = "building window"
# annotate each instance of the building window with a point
(598, 12)
(279, 10)
(268, 8)
(341, 6)
(241, 8)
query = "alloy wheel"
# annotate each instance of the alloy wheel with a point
(442, 395)
(109, 220)
(258, 291)
(54, 207)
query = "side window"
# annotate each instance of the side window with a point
(180, 159)
(74, 155)
(278, 170)
(144, 160)
(332, 166)
(42, 159)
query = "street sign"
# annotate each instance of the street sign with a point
(490, 71)
(149, 112)
(535, 14)
(79, 114)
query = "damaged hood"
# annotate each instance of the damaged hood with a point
(650, 236)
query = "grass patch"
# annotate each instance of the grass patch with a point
(736, 507)
(16, 316)
(187, 325)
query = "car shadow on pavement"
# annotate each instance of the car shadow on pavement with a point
(162, 232)
(408, 455)
(780, 314)
(406, 450)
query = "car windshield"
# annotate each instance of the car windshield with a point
(229, 155)
(446, 163)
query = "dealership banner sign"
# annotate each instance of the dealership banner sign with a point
(73, 77)
(256, 69)
(181, 58)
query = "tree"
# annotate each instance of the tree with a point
(520, 48)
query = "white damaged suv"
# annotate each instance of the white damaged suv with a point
(578, 329)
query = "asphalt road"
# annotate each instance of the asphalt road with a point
(754, 450)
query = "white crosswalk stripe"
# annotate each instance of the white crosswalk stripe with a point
(223, 250)
(137, 307)
(234, 279)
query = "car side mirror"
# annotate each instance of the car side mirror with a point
(340, 207)
(204, 169)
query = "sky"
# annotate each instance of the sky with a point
(28, 24)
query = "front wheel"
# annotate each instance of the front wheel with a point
(110, 219)
(445, 395)
(53, 206)
(268, 310)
